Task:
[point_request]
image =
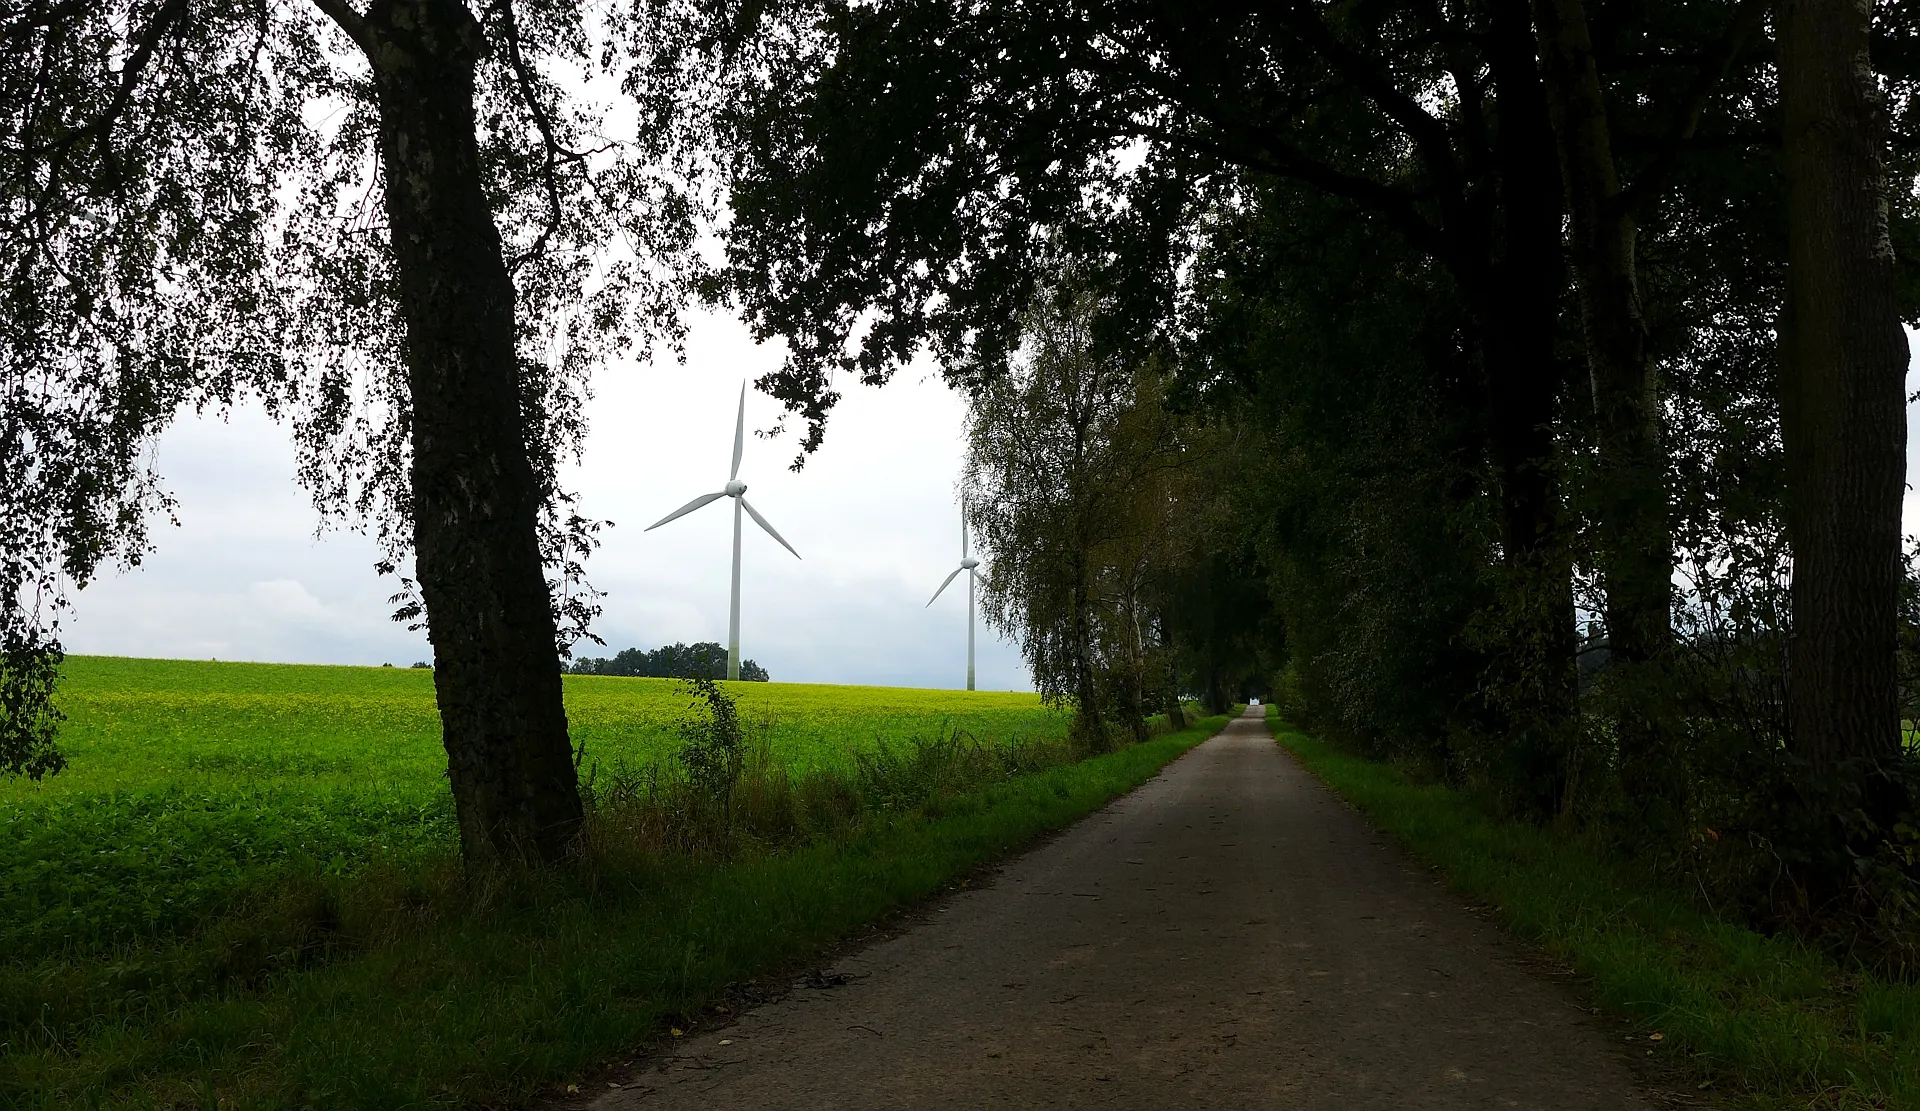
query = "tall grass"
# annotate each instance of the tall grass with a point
(1764, 1020)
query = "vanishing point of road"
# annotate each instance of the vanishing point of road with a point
(1230, 935)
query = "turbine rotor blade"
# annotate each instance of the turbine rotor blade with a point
(739, 435)
(943, 586)
(979, 578)
(762, 522)
(684, 510)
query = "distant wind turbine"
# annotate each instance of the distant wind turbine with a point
(967, 564)
(736, 490)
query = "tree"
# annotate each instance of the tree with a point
(897, 187)
(1843, 379)
(904, 182)
(1635, 551)
(188, 217)
(1220, 622)
(1352, 543)
(1034, 448)
(1066, 464)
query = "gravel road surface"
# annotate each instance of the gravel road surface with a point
(1230, 935)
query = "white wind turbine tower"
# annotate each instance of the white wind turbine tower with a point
(736, 490)
(967, 564)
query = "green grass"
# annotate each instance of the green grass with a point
(1766, 1021)
(191, 782)
(264, 910)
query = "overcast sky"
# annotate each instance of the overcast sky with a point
(873, 515)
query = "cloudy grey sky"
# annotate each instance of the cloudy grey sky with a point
(873, 516)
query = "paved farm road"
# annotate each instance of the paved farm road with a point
(1227, 936)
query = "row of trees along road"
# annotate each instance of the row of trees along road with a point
(1515, 389)
(1392, 341)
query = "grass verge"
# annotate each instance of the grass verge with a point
(1764, 1021)
(545, 981)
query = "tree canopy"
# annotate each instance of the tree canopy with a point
(405, 229)
(1467, 325)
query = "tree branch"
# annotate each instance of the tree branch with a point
(1712, 71)
(100, 127)
(1429, 135)
(1261, 148)
(553, 153)
(29, 19)
(348, 20)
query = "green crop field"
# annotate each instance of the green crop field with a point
(191, 781)
(244, 890)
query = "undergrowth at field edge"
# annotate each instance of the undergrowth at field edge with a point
(193, 785)
(535, 981)
(1764, 1022)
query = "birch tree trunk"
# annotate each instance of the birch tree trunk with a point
(475, 496)
(1086, 680)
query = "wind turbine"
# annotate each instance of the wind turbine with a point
(736, 490)
(967, 564)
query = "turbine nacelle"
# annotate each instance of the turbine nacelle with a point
(734, 488)
(969, 563)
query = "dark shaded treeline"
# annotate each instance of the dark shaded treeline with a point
(1400, 359)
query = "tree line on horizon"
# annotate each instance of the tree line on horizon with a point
(704, 660)
(1383, 357)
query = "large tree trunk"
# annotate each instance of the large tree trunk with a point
(1843, 371)
(1517, 302)
(1635, 553)
(475, 494)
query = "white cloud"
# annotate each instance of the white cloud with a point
(285, 599)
